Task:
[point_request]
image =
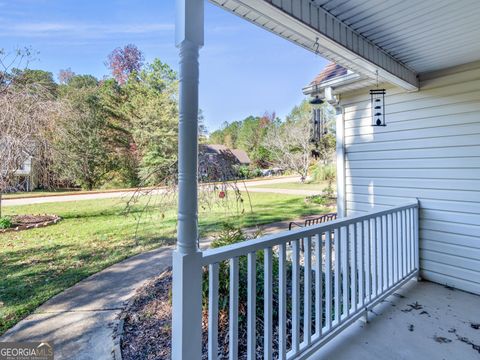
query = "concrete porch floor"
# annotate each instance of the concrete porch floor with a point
(421, 321)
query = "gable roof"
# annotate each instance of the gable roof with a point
(217, 148)
(336, 79)
(329, 72)
(240, 155)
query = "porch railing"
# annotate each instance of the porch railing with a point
(347, 267)
(313, 221)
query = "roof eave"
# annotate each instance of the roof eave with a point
(335, 83)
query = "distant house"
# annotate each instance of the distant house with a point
(218, 162)
(237, 156)
(241, 156)
(24, 176)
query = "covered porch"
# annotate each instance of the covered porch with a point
(408, 194)
(421, 320)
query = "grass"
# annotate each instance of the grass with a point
(39, 263)
(296, 186)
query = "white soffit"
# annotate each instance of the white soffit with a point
(310, 26)
(418, 36)
(426, 35)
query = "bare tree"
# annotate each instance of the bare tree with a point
(10, 60)
(65, 75)
(26, 120)
(289, 142)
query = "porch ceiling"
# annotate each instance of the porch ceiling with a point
(425, 35)
(398, 38)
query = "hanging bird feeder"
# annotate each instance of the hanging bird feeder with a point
(377, 99)
(318, 120)
(318, 125)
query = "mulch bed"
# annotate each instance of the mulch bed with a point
(147, 325)
(25, 222)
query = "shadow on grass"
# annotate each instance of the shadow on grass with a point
(48, 261)
(34, 275)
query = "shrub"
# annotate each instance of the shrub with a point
(319, 199)
(245, 172)
(5, 222)
(228, 236)
(232, 235)
(328, 192)
(323, 173)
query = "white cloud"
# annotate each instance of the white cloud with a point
(82, 30)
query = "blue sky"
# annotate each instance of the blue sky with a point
(244, 69)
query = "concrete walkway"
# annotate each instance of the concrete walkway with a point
(302, 192)
(127, 194)
(80, 322)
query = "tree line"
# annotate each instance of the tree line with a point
(270, 141)
(122, 130)
(82, 131)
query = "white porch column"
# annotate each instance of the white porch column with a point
(340, 132)
(187, 272)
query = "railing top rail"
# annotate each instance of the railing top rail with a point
(211, 256)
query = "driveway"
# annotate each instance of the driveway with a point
(127, 193)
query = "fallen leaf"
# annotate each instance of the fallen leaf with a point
(441, 339)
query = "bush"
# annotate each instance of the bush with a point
(5, 222)
(319, 199)
(245, 172)
(228, 236)
(321, 173)
(232, 235)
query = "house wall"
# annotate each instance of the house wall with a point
(430, 150)
(26, 167)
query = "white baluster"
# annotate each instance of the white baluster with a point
(368, 268)
(282, 303)
(267, 304)
(213, 311)
(374, 258)
(345, 270)
(328, 279)
(295, 296)
(233, 314)
(361, 265)
(307, 292)
(353, 269)
(252, 306)
(318, 284)
(337, 274)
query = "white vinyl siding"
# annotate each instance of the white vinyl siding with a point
(430, 150)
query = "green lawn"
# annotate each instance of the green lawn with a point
(296, 186)
(37, 264)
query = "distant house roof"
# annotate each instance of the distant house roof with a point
(240, 155)
(215, 147)
(330, 72)
(336, 79)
